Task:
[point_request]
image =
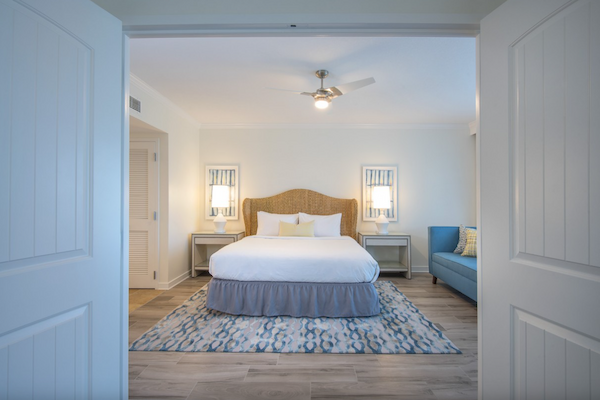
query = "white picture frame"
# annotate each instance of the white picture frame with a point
(228, 175)
(379, 175)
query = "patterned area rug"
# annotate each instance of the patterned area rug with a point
(399, 328)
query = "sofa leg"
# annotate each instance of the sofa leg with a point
(434, 280)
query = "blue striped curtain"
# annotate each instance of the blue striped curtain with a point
(223, 177)
(379, 177)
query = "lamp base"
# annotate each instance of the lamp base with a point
(220, 222)
(382, 224)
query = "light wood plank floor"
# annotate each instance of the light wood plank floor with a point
(215, 376)
(139, 297)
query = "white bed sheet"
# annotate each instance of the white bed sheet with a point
(294, 259)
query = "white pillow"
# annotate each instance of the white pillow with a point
(325, 225)
(268, 224)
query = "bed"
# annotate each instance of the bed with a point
(268, 275)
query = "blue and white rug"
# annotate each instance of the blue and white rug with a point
(399, 328)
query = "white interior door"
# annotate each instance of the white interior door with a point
(62, 307)
(540, 200)
(143, 213)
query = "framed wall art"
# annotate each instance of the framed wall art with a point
(374, 178)
(226, 179)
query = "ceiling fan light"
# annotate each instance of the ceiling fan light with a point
(322, 102)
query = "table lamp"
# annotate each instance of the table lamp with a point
(220, 199)
(381, 200)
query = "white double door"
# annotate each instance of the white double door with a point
(63, 247)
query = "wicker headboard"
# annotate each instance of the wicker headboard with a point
(302, 200)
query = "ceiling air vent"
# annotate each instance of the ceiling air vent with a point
(135, 104)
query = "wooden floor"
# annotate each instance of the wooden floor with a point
(139, 297)
(172, 375)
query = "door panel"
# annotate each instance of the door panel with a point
(551, 185)
(48, 357)
(48, 155)
(540, 281)
(61, 274)
(552, 360)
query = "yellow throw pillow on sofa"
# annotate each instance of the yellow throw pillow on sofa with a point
(471, 247)
(306, 229)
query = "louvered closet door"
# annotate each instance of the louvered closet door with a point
(143, 214)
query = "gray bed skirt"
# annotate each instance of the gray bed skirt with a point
(296, 299)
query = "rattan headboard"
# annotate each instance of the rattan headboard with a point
(302, 200)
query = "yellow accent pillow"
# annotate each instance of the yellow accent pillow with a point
(471, 247)
(306, 229)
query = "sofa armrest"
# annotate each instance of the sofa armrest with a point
(442, 239)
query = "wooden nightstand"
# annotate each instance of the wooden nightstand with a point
(202, 242)
(373, 242)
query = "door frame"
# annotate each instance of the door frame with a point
(125, 220)
(451, 29)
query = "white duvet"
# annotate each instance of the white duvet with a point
(294, 259)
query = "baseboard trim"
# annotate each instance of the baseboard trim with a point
(174, 282)
(420, 268)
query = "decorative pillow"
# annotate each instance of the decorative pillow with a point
(471, 247)
(306, 229)
(462, 239)
(268, 224)
(325, 225)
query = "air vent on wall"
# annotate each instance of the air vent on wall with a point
(135, 104)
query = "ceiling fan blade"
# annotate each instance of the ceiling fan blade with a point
(348, 87)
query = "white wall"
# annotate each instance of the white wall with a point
(436, 169)
(184, 169)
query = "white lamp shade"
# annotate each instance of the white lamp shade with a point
(220, 196)
(381, 197)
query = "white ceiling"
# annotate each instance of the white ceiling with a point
(225, 80)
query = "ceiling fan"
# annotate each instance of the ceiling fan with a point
(323, 96)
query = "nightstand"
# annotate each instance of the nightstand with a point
(392, 251)
(206, 243)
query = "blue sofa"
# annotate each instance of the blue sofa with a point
(457, 271)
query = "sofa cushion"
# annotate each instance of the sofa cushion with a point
(465, 266)
(471, 247)
(462, 239)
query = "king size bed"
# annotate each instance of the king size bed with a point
(321, 273)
